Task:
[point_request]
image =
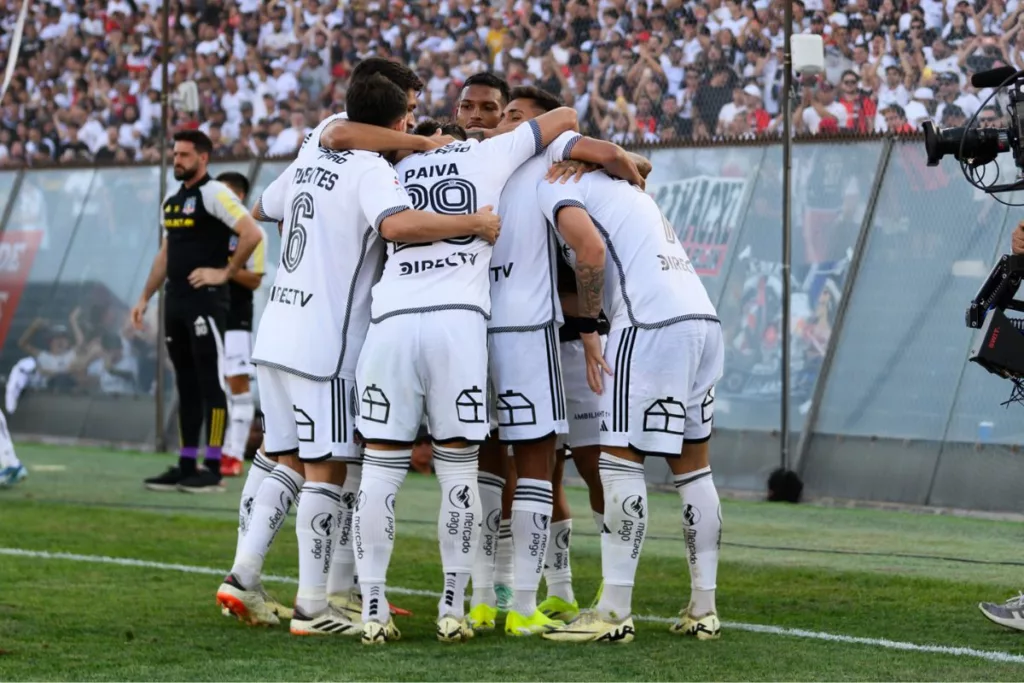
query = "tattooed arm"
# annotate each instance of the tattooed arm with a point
(582, 237)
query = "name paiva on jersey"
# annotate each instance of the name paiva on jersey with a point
(675, 263)
(314, 174)
(457, 259)
(290, 297)
(431, 171)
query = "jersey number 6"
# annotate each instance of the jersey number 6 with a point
(295, 244)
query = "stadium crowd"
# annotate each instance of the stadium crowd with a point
(259, 74)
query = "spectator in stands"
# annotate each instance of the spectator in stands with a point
(896, 120)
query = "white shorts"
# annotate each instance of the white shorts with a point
(527, 373)
(237, 352)
(415, 362)
(315, 418)
(662, 393)
(584, 406)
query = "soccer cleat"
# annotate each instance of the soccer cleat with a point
(559, 609)
(538, 622)
(168, 481)
(280, 609)
(9, 476)
(597, 598)
(451, 629)
(706, 627)
(1009, 614)
(249, 606)
(230, 466)
(350, 603)
(203, 481)
(328, 622)
(483, 617)
(376, 633)
(504, 594)
(591, 627)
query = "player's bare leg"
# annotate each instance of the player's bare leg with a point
(560, 603)
(241, 411)
(702, 529)
(242, 590)
(531, 529)
(317, 526)
(385, 466)
(625, 495)
(586, 459)
(491, 478)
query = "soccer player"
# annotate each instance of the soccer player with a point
(238, 341)
(335, 206)
(524, 359)
(426, 351)
(199, 219)
(11, 469)
(664, 354)
(270, 497)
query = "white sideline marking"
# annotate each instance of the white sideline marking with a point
(989, 655)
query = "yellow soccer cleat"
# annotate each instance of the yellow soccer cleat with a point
(350, 603)
(282, 610)
(328, 622)
(538, 622)
(453, 630)
(248, 606)
(706, 627)
(591, 627)
(483, 617)
(376, 633)
(559, 609)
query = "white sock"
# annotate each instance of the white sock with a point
(241, 411)
(503, 558)
(269, 510)
(491, 486)
(261, 468)
(458, 524)
(598, 521)
(316, 526)
(373, 526)
(531, 525)
(702, 529)
(557, 570)
(625, 516)
(7, 456)
(342, 578)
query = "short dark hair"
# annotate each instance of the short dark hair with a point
(376, 101)
(489, 80)
(399, 74)
(198, 138)
(428, 127)
(542, 99)
(236, 181)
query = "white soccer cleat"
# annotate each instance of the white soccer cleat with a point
(451, 629)
(591, 627)
(705, 627)
(248, 606)
(376, 633)
(329, 622)
(9, 476)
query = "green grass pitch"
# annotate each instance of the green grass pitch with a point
(806, 593)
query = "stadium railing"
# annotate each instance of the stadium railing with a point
(886, 255)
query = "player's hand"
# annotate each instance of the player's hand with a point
(596, 365)
(208, 277)
(138, 314)
(565, 170)
(488, 224)
(1018, 239)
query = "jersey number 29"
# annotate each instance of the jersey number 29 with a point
(450, 197)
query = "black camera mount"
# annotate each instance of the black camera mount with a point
(1000, 346)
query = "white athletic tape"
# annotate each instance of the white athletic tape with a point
(14, 49)
(989, 655)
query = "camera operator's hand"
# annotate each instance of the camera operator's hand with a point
(1018, 239)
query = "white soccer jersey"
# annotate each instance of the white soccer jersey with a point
(522, 265)
(316, 132)
(459, 178)
(649, 280)
(332, 204)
